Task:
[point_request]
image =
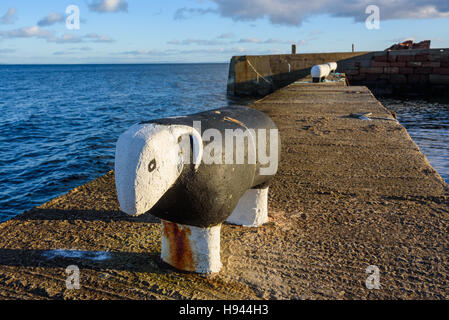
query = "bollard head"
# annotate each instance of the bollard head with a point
(320, 71)
(332, 66)
(148, 160)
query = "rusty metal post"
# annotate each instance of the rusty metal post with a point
(190, 248)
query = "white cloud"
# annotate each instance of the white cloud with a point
(267, 41)
(26, 32)
(226, 35)
(135, 53)
(36, 32)
(108, 5)
(66, 38)
(220, 42)
(293, 12)
(249, 40)
(184, 13)
(98, 38)
(9, 17)
(202, 42)
(225, 51)
(51, 19)
(72, 51)
(222, 52)
(91, 37)
(271, 41)
(82, 49)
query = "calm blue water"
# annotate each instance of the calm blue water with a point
(59, 124)
(427, 122)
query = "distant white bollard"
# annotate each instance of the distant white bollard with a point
(332, 66)
(320, 72)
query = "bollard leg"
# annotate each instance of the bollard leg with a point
(252, 209)
(190, 248)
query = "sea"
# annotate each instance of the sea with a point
(59, 123)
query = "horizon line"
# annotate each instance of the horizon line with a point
(106, 63)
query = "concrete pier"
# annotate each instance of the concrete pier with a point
(349, 194)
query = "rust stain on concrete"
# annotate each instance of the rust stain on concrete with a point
(181, 256)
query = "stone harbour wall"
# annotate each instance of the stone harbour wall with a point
(403, 72)
(400, 72)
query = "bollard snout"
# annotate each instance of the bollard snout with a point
(147, 163)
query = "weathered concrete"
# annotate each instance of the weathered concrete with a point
(349, 193)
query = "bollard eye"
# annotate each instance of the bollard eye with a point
(152, 165)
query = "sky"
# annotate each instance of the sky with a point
(143, 31)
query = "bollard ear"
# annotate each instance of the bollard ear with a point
(180, 130)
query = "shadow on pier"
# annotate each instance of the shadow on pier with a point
(126, 261)
(85, 215)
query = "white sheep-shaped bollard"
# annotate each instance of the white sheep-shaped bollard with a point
(193, 179)
(320, 72)
(332, 67)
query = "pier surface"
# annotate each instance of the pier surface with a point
(349, 193)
